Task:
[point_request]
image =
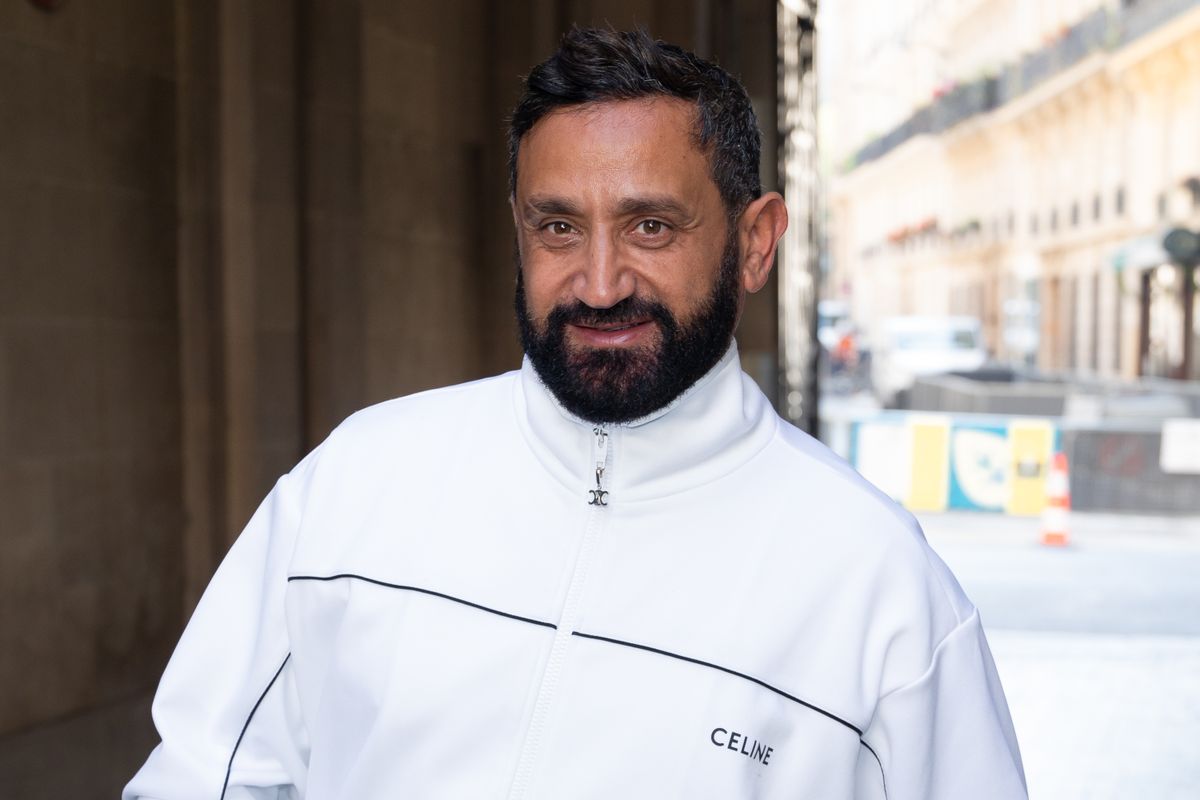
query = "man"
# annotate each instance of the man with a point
(615, 573)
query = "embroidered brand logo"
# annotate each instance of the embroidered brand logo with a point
(741, 743)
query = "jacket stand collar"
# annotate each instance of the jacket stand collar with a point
(718, 424)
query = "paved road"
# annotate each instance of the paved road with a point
(1098, 646)
(1120, 575)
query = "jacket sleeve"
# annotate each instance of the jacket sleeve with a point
(948, 734)
(226, 709)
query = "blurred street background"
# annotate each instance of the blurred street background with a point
(224, 226)
(1011, 198)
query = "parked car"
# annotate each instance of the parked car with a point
(908, 347)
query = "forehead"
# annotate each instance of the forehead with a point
(626, 146)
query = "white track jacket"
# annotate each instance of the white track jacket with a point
(470, 594)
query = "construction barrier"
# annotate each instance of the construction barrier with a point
(935, 462)
(985, 462)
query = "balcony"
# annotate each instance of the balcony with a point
(1101, 30)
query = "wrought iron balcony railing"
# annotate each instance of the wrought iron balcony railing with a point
(1100, 30)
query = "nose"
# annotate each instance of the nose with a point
(604, 277)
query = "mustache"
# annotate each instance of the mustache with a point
(631, 309)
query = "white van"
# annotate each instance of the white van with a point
(923, 345)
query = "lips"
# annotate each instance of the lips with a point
(610, 328)
(612, 334)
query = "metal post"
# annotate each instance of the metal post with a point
(1143, 362)
(1187, 369)
(800, 180)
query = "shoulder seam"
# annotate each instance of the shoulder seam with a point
(972, 619)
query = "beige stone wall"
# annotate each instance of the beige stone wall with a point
(224, 226)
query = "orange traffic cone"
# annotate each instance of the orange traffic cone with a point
(1056, 515)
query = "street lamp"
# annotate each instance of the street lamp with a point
(1183, 246)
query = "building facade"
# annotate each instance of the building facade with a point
(1018, 161)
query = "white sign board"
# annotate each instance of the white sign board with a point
(1180, 450)
(885, 457)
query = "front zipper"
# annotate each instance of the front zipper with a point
(598, 496)
(597, 501)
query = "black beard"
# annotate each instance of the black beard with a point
(614, 385)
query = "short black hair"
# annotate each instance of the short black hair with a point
(594, 65)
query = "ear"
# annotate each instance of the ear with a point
(759, 230)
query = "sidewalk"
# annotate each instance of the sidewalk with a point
(1097, 645)
(1091, 528)
(1104, 716)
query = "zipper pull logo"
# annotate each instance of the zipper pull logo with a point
(598, 496)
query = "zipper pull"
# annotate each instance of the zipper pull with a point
(598, 496)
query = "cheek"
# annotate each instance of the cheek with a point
(686, 282)
(540, 289)
(548, 274)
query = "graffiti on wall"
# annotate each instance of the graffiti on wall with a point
(934, 462)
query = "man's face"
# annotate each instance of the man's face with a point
(629, 283)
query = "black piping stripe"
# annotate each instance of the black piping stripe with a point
(882, 776)
(726, 670)
(351, 576)
(419, 590)
(245, 727)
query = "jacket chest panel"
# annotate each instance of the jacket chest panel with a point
(512, 550)
(425, 690)
(406, 688)
(433, 641)
(681, 729)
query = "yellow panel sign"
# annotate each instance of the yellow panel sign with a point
(930, 482)
(1031, 443)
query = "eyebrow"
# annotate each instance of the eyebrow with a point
(652, 206)
(630, 206)
(551, 205)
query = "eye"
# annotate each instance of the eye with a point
(558, 228)
(651, 227)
